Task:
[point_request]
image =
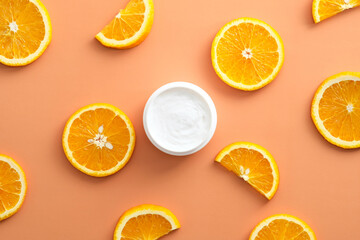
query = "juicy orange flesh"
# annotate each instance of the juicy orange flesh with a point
(146, 227)
(333, 110)
(260, 172)
(86, 127)
(263, 47)
(282, 229)
(127, 23)
(31, 29)
(10, 187)
(328, 8)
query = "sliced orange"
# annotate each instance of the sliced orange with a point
(323, 9)
(12, 187)
(145, 222)
(282, 226)
(130, 26)
(25, 31)
(99, 139)
(252, 163)
(336, 109)
(247, 54)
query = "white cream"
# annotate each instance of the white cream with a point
(179, 119)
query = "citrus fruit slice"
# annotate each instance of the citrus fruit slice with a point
(25, 31)
(323, 9)
(247, 54)
(12, 187)
(252, 163)
(130, 26)
(99, 139)
(145, 222)
(282, 226)
(336, 109)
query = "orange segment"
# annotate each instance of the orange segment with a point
(145, 222)
(99, 139)
(130, 26)
(12, 187)
(247, 54)
(323, 9)
(282, 226)
(252, 163)
(336, 109)
(25, 31)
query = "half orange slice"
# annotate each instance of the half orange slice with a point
(130, 26)
(323, 9)
(145, 222)
(254, 164)
(282, 226)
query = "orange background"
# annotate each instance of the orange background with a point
(319, 182)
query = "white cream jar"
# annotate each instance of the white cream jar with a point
(180, 118)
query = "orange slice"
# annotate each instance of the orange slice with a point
(145, 222)
(12, 187)
(130, 26)
(323, 9)
(336, 109)
(252, 163)
(282, 226)
(25, 31)
(99, 139)
(247, 54)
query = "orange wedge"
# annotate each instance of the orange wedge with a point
(25, 31)
(130, 26)
(282, 226)
(323, 9)
(336, 109)
(99, 139)
(12, 187)
(247, 54)
(252, 163)
(145, 222)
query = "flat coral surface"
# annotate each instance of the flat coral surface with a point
(319, 182)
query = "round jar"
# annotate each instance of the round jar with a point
(179, 118)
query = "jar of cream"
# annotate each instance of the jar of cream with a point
(180, 118)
